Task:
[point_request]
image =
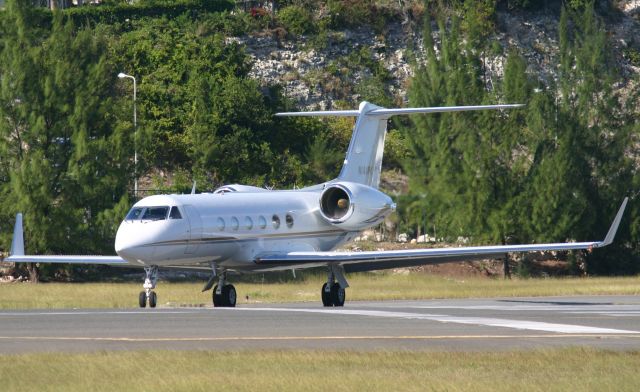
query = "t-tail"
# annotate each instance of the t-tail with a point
(363, 161)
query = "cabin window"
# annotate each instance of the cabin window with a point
(220, 224)
(155, 213)
(135, 213)
(248, 223)
(275, 221)
(289, 220)
(234, 223)
(175, 213)
(262, 222)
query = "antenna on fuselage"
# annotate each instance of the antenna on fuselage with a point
(193, 188)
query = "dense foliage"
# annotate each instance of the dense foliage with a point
(552, 172)
(67, 138)
(64, 150)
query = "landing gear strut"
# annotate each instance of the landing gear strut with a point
(150, 281)
(224, 294)
(333, 293)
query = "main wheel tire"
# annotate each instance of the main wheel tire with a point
(217, 298)
(142, 299)
(229, 296)
(338, 295)
(326, 296)
(153, 298)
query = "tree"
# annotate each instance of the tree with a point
(596, 124)
(69, 155)
(553, 172)
(463, 167)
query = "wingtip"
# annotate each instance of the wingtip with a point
(17, 244)
(611, 234)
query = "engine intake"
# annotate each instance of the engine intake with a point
(353, 206)
(336, 204)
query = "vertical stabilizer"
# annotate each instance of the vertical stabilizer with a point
(17, 245)
(363, 162)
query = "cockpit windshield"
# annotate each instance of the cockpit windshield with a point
(155, 213)
(152, 213)
(134, 214)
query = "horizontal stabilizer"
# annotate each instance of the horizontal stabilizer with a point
(331, 113)
(383, 112)
(363, 162)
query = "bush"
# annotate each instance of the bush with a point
(356, 13)
(296, 20)
(233, 24)
(115, 13)
(633, 55)
(349, 13)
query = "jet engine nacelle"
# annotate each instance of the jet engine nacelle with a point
(354, 206)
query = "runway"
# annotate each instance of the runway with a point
(611, 322)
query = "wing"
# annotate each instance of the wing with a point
(17, 253)
(368, 261)
(107, 260)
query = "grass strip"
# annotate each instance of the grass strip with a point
(576, 369)
(365, 286)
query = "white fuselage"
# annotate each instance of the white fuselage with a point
(230, 229)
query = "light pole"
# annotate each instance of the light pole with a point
(122, 75)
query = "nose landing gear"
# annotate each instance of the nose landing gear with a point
(150, 281)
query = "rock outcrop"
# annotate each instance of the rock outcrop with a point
(300, 67)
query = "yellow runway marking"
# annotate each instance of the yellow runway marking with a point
(311, 338)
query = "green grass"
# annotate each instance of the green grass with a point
(370, 286)
(572, 369)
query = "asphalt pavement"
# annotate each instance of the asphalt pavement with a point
(611, 322)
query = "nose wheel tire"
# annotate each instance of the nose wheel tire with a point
(226, 298)
(142, 299)
(152, 299)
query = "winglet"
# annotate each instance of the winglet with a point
(17, 245)
(614, 226)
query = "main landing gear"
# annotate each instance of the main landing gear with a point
(333, 293)
(150, 281)
(224, 294)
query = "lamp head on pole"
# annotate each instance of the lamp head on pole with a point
(121, 75)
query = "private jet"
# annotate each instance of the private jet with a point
(247, 229)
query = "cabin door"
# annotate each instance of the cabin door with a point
(195, 229)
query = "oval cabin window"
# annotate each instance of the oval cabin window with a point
(248, 223)
(275, 221)
(220, 224)
(289, 220)
(262, 222)
(234, 223)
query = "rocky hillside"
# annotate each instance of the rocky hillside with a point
(309, 76)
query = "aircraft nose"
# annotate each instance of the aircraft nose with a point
(126, 243)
